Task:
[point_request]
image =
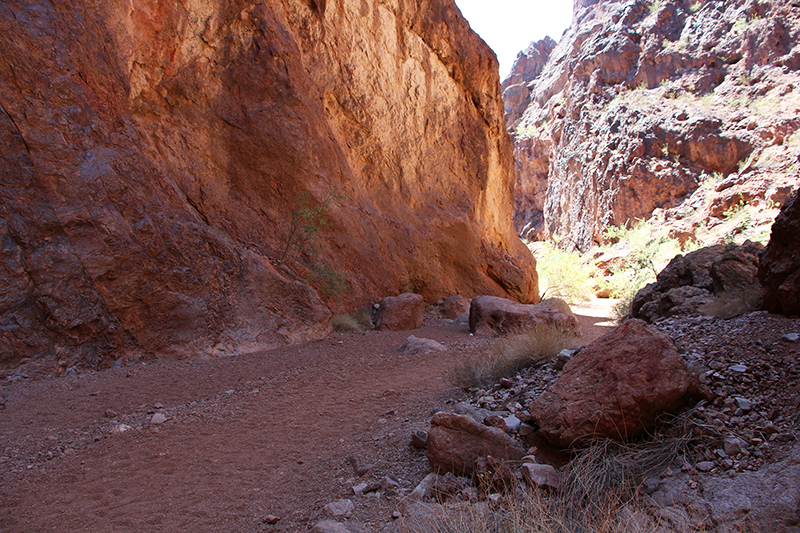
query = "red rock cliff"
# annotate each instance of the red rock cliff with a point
(642, 101)
(154, 153)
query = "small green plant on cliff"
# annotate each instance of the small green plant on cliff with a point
(695, 7)
(308, 219)
(655, 6)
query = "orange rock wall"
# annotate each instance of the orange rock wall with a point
(154, 153)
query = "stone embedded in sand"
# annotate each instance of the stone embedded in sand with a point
(454, 306)
(779, 270)
(490, 315)
(400, 313)
(413, 345)
(615, 387)
(456, 442)
(342, 507)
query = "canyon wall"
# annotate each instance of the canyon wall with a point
(160, 160)
(642, 101)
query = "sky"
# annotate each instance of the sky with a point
(508, 26)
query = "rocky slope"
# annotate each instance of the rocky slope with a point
(685, 108)
(161, 159)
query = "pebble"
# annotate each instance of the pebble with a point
(743, 404)
(271, 519)
(791, 337)
(158, 418)
(339, 508)
(738, 368)
(705, 466)
(419, 439)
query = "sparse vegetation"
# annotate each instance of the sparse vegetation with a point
(531, 346)
(601, 492)
(563, 274)
(649, 250)
(346, 324)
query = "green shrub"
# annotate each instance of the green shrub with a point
(564, 274)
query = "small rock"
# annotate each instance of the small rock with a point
(791, 337)
(734, 446)
(738, 368)
(110, 414)
(423, 490)
(526, 429)
(359, 489)
(158, 418)
(329, 526)
(542, 476)
(506, 383)
(396, 515)
(743, 404)
(705, 466)
(512, 422)
(120, 428)
(271, 519)
(419, 439)
(496, 422)
(339, 508)
(358, 469)
(413, 346)
(563, 358)
(158, 406)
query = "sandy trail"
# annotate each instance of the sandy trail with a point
(246, 436)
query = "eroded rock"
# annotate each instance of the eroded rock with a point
(615, 387)
(456, 442)
(779, 270)
(400, 313)
(490, 315)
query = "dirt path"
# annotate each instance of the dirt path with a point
(245, 437)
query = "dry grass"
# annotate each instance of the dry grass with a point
(522, 349)
(347, 324)
(601, 494)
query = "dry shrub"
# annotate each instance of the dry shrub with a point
(364, 317)
(346, 324)
(532, 346)
(601, 493)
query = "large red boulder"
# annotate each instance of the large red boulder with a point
(615, 387)
(400, 313)
(457, 442)
(489, 315)
(779, 269)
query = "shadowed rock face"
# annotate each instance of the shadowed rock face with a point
(154, 153)
(640, 102)
(779, 270)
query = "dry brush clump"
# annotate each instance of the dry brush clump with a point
(523, 348)
(602, 492)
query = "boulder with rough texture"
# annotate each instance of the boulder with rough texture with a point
(692, 281)
(164, 164)
(400, 313)
(489, 315)
(455, 306)
(542, 476)
(615, 387)
(456, 442)
(779, 270)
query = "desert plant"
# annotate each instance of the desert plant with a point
(364, 317)
(346, 324)
(328, 281)
(523, 348)
(564, 274)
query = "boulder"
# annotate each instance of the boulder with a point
(689, 283)
(455, 306)
(456, 442)
(615, 387)
(412, 346)
(400, 313)
(542, 476)
(490, 315)
(779, 269)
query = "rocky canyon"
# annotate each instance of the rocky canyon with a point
(682, 110)
(160, 158)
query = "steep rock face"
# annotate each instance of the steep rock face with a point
(779, 270)
(155, 154)
(641, 101)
